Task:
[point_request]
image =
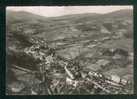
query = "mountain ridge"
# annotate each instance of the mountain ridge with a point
(125, 11)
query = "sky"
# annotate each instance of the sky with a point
(53, 11)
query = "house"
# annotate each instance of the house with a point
(115, 78)
(121, 32)
(104, 30)
(117, 56)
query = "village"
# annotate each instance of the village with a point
(53, 66)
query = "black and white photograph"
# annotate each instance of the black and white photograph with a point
(69, 50)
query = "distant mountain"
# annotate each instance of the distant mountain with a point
(125, 13)
(26, 16)
(77, 16)
(63, 26)
(13, 16)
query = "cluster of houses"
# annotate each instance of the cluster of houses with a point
(46, 55)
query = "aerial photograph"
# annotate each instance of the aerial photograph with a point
(69, 50)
